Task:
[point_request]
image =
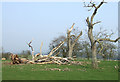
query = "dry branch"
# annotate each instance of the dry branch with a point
(41, 48)
(107, 39)
(56, 48)
(29, 44)
(77, 39)
(71, 28)
(97, 22)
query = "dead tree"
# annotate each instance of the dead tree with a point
(90, 25)
(29, 44)
(69, 42)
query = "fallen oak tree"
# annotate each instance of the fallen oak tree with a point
(46, 60)
(50, 59)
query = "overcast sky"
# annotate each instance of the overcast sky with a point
(43, 21)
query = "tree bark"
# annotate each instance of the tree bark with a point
(68, 42)
(70, 51)
(94, 58)
(93, 47)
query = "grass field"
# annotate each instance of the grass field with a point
(106, 71)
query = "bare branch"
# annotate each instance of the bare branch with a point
(56, 48)
(96, 22)
(72, 36)
(100, 32)
(41, 48)
(91, 4)
(101, 47)
(88, 23)
(37, 55)
(108, 35)
(107, 39)
(71, 28)
(95, 11)
(77, 38)
(57, 54)
(87, 20)
(29, 44)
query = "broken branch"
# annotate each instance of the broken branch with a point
(56, 48)
(29, 44)
(71, 28)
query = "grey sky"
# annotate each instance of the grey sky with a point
(43, 21)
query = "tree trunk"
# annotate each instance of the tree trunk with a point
(94, 58)
(70, 51)
(93, 47)
(71, 44)
(68, 42)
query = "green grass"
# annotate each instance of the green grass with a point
(106, 71)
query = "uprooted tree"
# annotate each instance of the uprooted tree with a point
(90, 25)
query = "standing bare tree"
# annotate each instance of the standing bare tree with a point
(70, 43)
(90, 31)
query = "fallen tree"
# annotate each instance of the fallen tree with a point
(50, 59)
(46, 60)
